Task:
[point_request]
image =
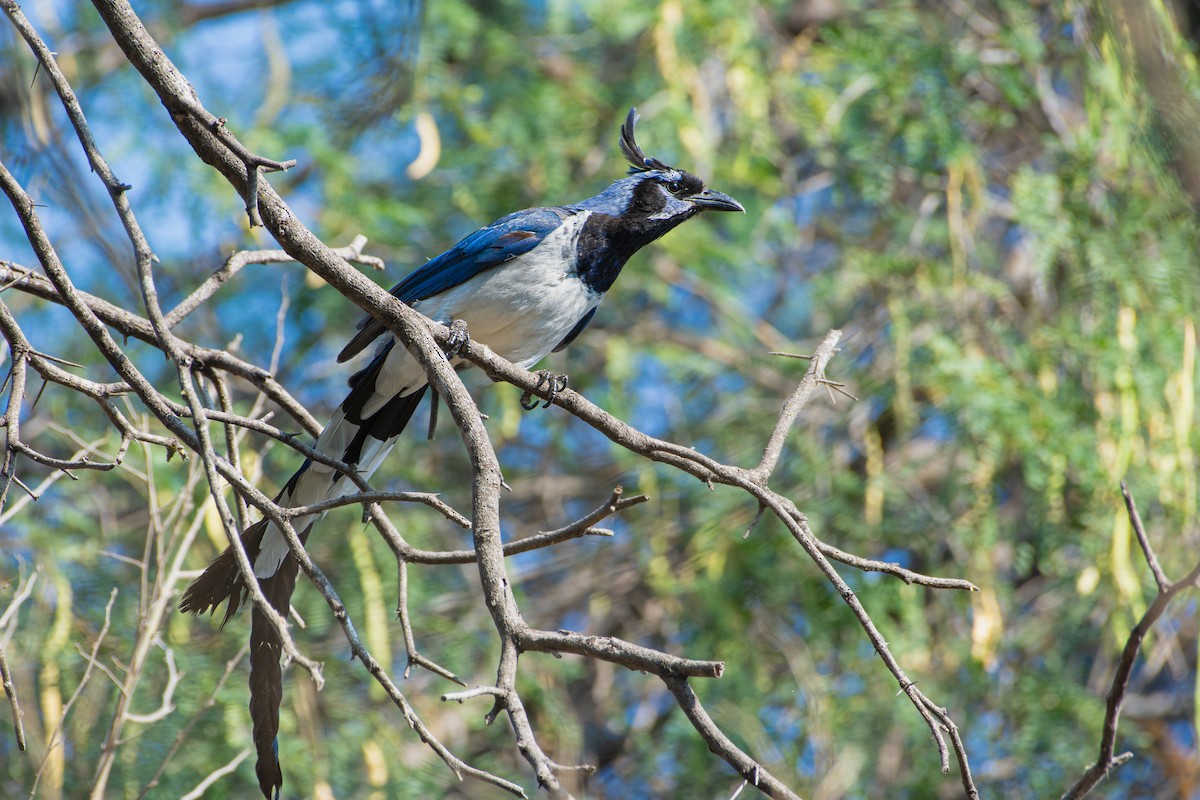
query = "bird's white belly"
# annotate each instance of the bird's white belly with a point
(518, 313)
(522, 310)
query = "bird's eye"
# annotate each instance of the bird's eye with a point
(675, 187)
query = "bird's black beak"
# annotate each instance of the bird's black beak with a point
(712, 200)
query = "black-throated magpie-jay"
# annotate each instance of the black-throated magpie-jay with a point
(525, 285)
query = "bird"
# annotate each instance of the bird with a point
(526, 285)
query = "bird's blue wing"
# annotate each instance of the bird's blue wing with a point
(488, 247)
(503, 240)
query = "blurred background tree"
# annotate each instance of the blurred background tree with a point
(993, 198)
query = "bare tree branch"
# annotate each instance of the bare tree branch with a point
(53, 741)
(217, 774)
(9, 618)
(1167, 591)
(234, 264)
(129, 324)
(182, 735)
(1135, 519)
(416, 336)
(216, 145)
(721, 744)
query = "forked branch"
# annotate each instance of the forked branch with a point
(1167, 591)
(217, 145)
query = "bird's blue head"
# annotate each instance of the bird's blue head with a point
(636, 210)
(655, 196)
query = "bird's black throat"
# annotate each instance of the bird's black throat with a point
(606, 242)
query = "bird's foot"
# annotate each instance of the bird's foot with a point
(460, 337)
(554, 384)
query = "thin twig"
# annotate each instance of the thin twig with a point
(10, 691)
(894, 569)
(166, 706)
(795, 404)
(182, 734)
(721, 744)
(366, 497)
(243, 258)
(24, 590)
(217, 774)
(131, 325)
(581, 527)
(1167, 592)
(415, 659)
(54, 740)
(1135, 519)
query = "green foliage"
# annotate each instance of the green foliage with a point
(976, 192)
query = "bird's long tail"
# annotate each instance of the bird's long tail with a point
(222, 582)
(352, 438)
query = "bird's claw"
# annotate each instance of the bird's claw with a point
(459, 338)
(554, 384)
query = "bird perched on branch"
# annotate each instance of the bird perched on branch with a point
(526, 285)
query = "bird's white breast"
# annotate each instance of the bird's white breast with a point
(521, 309)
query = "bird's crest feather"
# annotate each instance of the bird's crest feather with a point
(639, 161)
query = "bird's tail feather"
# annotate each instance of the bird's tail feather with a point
(222, 580)
(356, 441)
(266, 677)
